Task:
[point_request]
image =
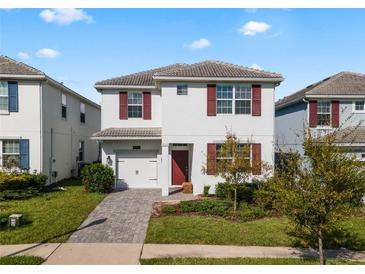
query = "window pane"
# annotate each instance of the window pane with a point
(134, 111)
(359, 105)
(323, 119)
(323, 107)
(10, 161)
(64, 102)
(3, 88)
(243, 107)
(134, 98)
(224, 106)
(224, 91)
(82, 107)
(243, 92)
(4, 103)
(182, 89)
(10, 146)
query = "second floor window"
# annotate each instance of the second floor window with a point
(64, 106)
(182, 89)
(359, 106)
(4, 96)
(324, 113)
(82, 113)
(135, 104)
(233, 99)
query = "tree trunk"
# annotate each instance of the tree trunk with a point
(235, 200)
(322, 259)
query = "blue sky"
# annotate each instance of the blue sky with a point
(80, 47)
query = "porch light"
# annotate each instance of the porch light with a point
(15, 220)
(109, 161)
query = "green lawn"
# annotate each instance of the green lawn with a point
(51, 217)
(25, 260)
(240, 261)
(219, 231)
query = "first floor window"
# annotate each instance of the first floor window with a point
(4, 96)
(81, 151)
(324, 113)
(11, 155)
(359, 106)
(135, 104)
(63, 106)
(244, 150)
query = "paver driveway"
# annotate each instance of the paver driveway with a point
(122, 217)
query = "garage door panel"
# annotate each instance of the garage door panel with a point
(137, 169)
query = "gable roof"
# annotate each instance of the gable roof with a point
(120, 133)
(12, 69)
(207, 69)
(341, 84)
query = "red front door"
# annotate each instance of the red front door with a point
(180, 163)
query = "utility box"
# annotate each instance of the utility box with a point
(15, 220)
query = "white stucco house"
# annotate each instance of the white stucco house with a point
(160, 126)
(44, 125)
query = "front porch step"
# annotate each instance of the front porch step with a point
(175, 189)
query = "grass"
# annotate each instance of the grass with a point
(18, 260)
(51, 217)
(262, 232)
(241, 261)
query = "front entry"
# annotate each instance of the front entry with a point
(180, 166)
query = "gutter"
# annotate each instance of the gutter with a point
(99, 88)
(219, 79)
(124, 138)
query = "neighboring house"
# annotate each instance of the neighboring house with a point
(44, 126)
(335, 102)
(159, 127)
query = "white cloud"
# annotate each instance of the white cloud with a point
(253, 27)
(251, 10)
(199, 44)
(23, 55)
(47, 53)
(65, 16)
(256, 66)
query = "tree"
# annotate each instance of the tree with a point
(233, 163)
(319, 189)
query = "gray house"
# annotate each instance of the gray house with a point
(336, 101)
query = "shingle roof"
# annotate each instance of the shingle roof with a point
(343, 83)
(218, 69)
(12, 67)
(202, 69)
(143, 78)
(351, 135)
(128, 132)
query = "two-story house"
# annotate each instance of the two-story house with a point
(334, 102)
(159, 127)
(44, 126)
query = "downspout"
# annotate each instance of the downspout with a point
(41, 127)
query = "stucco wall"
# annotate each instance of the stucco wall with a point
(67, 132)
(25, 123)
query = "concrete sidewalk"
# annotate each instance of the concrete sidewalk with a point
(224, 251)
(40, 250)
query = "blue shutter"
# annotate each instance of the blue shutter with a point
(13, 96)
(24, 153)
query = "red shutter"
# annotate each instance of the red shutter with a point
(335, 113)
(256, 100)
(146, 105)
(312, 113)
(211, 100)
(123, 105)
(211, 158)
(256, 159)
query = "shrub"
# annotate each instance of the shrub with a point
(97, 178)
(168, 210)
(245, 191)
(20, 181)
(264, 197)
(16, 194)
(206, 190)
(209, 206)
(248, 213)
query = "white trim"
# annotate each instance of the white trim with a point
(219, 79)
(335, 96)
(99, 88)
(10, 137)
(23, 77)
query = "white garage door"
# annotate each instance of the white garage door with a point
(137, 169)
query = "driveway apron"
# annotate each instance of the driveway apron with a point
(122, 217)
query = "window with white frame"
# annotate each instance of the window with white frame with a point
(81, 151)
(360, 106)
(224, 99)
(324, 113)
(244, 150)
(234, 99)
(82, 113)
(11, 155)
(182, 89)
(4, 96)
(242, 99)
(63, 106)
(135, 104)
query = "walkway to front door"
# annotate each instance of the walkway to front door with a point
(180, 166)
